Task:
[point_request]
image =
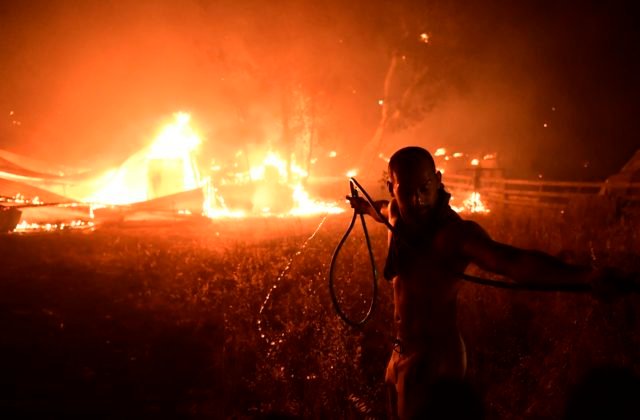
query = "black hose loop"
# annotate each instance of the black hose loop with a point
(374, 286)
(573, 288)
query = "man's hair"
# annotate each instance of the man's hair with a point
(408, 158)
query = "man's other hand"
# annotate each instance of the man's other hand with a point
(608, 283)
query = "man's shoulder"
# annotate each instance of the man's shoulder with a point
(460, 230)
(455, 239)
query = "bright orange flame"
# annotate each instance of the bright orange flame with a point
(440, 152)
(175, 140)
(305, 205)
(24, 226)
(475, 204)
(277, 182)
(472, 204)
(166, 167)
(21, 199)
(475, 162)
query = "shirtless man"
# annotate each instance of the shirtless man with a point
(431, 245)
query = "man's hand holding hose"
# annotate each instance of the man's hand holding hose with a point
(361, 206)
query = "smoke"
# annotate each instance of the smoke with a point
(91, 81)
(547, 86)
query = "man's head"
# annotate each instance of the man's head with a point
(414, 183)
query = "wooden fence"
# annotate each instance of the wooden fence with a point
(554, 194)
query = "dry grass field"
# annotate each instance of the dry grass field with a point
(161, 320)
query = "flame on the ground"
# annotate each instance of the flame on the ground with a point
(24, 226)
(472, 204)
(278, 190)
(305, 205)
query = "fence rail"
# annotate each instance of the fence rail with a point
(538, 193)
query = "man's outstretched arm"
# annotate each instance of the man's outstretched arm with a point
(522, 266)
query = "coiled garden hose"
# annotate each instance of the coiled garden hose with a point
(354, 186)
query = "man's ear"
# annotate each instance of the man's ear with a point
(439, 176)
(390, 187)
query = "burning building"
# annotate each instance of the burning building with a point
(164, 177)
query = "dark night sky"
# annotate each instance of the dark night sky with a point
(89, 81)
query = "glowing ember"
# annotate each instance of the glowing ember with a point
(440, 152)
(25, 227)
(20, 199)
(475, 162)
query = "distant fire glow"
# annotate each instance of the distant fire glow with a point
(472, 204)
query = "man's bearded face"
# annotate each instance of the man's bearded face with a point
(416, 191)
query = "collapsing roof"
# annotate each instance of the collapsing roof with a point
(164, 175)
